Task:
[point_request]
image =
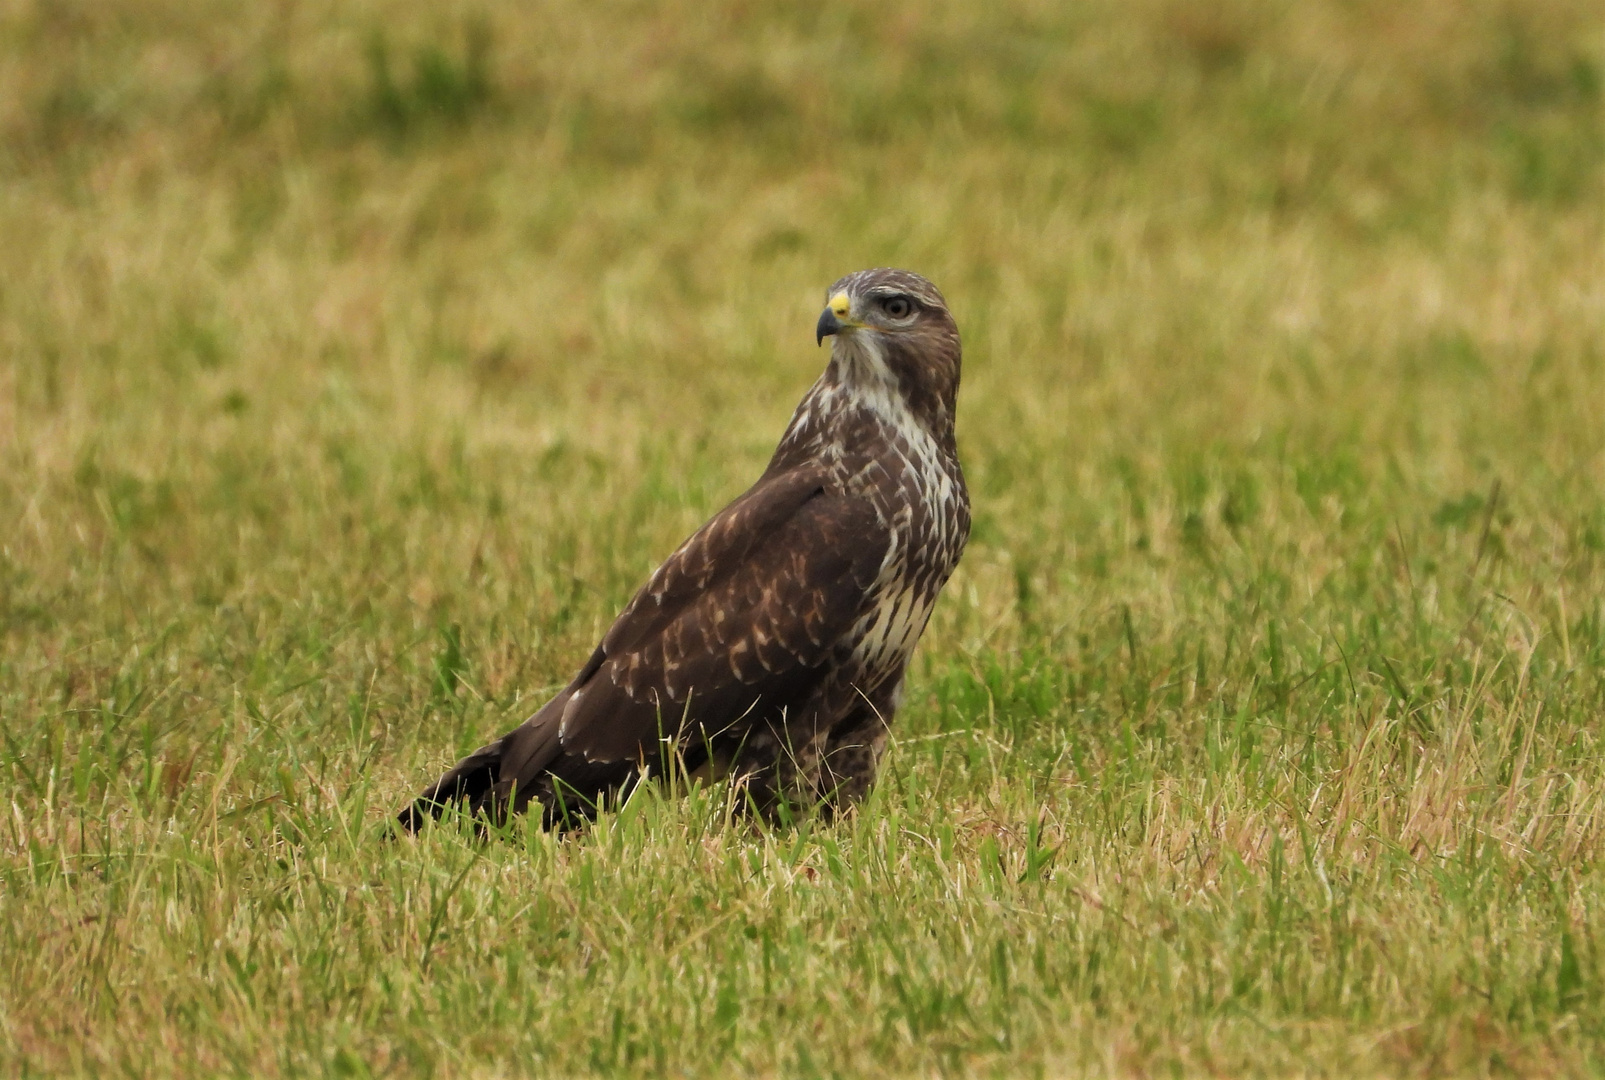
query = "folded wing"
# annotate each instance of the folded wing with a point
(739, 623)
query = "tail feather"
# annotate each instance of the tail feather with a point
(503, 772)
(469, 783)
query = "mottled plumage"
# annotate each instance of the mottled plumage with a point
(772, 644)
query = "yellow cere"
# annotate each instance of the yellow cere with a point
(841, 305)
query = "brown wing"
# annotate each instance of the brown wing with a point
(744, 614)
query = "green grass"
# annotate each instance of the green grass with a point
(358, 361)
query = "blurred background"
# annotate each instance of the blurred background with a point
(385, 318)
(402, 317)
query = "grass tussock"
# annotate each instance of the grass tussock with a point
(357, 362)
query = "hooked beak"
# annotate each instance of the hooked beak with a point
(827, 326)
(834, 319)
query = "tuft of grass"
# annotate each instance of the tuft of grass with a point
(440, 88)
(358, 361)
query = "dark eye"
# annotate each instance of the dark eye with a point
(898, 307)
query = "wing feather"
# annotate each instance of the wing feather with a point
(745, 612)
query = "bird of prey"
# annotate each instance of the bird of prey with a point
(771, 646)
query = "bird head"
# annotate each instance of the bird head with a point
(893, 326)
(894, 303)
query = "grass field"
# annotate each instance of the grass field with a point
(357, 361)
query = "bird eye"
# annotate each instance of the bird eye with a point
(898, 307)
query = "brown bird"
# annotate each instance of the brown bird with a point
(771, 647)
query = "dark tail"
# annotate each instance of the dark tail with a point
(469, 784)
(495, 779)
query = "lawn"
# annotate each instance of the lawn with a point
(359, 360)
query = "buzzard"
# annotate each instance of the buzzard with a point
(771, 646)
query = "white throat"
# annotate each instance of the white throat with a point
(869, 382)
